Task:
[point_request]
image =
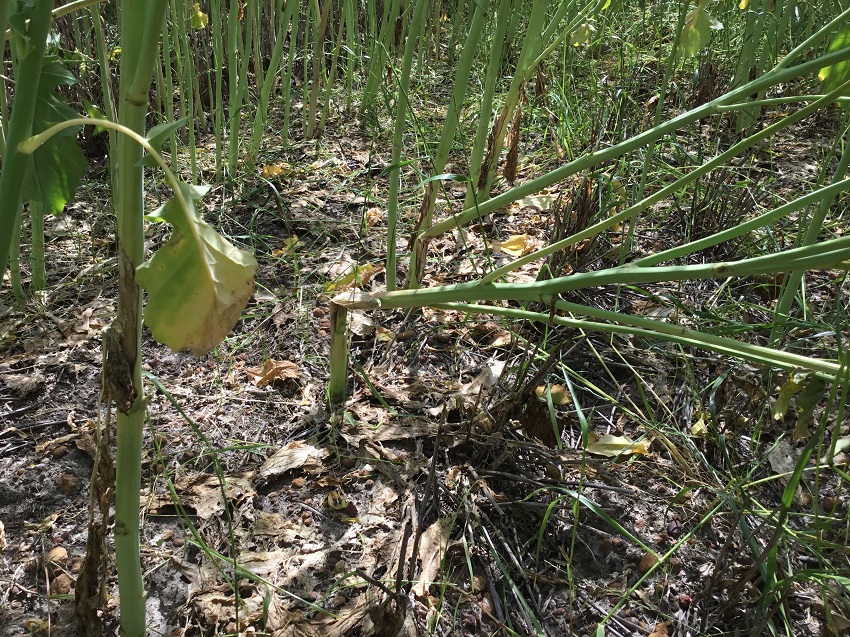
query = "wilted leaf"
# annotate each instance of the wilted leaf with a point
(361, 324)
(611, 446)
(700, 428)
(271, 372)
(581, 34)
(810, 396)
(516, 246)
(541, 203)
(197, 282)
(374, 216)
(485, 379)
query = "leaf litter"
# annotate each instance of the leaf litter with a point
(434, 502)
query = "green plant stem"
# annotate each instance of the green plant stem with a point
(590, 160)
(813, 228)
(140, 26)
(827, 254)
(679, 184)
(20, 125)
(398, 138)
(657, 330)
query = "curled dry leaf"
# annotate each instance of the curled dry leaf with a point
(612, 446)
(517, 245)
(272, 371)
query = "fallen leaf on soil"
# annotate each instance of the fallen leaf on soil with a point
(289, 246)
(272, 371)
(611, 446)
(374, 216)
(488, 377)
(539, 202)
(432, 548)
(274, 170)
(660, 630)
(2, 538)
(782, 458)
(359, 278)
(517, 245)
(23, 384)
(648, 560)
(202, 494)
(283, 530)
(560, 394)
(294, 455)
(360, 324)
(783, 401)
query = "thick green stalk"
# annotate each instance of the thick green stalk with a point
(106, 84)
(140, 26)
(398, 137)
(329, 80)
(286, 78)
(632, 211)
(381, 46)
(38, 273)
(233, 77)
(827, 254)
(31, 56)
(339, 355)
(658, 330)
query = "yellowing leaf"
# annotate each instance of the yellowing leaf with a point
(835, 75)
(611, 446)
(743, 4)
(581, 34)
(560, 394)
(197, 283)
(359, 278)
(199, 18)
(336, 500)
(272, 371)
(289, 247)
(793, 385)
(700, 428)
(697, 30)
(516, 246)
(274, 170)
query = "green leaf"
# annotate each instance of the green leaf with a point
(197, 283)
(835, 75)
(59, 164)
(697, 30)
(158, 135)
(95, 113)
